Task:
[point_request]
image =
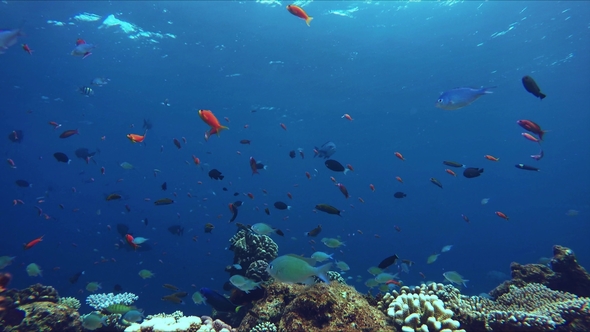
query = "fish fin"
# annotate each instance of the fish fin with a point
(345, 171)
(542, 95)
(238, 308)
(487, 90)
(322, 272)
(308, 20)
(465, 283)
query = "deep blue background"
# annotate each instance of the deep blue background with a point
(385, 67)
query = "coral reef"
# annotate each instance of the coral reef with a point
(257, 271)
(418, 310)
(332, 276)
(178, 322)
(249, 247)
(102, 301)
(264, 327)
(565, 274)
(320, 307)
(36, 308)
(71, 302)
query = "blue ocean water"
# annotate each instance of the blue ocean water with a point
(384, 63)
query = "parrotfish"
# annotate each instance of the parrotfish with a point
(460, 97)
(297, 269)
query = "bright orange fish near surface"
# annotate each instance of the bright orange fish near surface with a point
(502, 215)
(134, 138)
(33, 243)
(299, 12)
(210, 119)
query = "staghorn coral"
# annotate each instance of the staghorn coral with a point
(249, 247)
(565, 274)
(320, 307)
(178, 322)
(418, 310)
(264, 327)
(102, 301)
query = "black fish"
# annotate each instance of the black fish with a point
(117, 289)
(215, 174)
(16, 136)
(260, 165)
(292, 154)
(224, 189)
(436, 182)
(267, 211)
(84, 153)
(74, 279)
(163, 201)
(147, 124)
(282, 206)
(176, 230)
(122, 229)
(314, 232)
(23, 183)
(234, 210)
(209, 227)
(177, 143)
(326, 150)
(399, 194)
(279, 232)
(527, 167)
(236, 194)
(531, 86)
(87, 91)
(472, 172)
(453, 164)
(388, 262)
(335, 166)
(217, 301)
(61, 157)
(164, 186)
(328, 209)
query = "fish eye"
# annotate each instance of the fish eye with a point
(439, 101)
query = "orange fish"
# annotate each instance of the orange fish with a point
(502, 215)
(253, 166)
(450, 172)
(372, 187)
(349, 166)
(399, 179)
(34, 242)
(129, 238)
(492, 158)
(27, 49)
(210, 119)
(289, 195)
(283, 126)
(530, 137)
(134, 138)
(343, 190)
(54, 124)
(399, 155)
(347, 117)
(250, 195)
(11, 163)
(308, 175)
(299, 12)
(196, 160)
(394, 282)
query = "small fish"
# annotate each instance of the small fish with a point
(432, 258)
(217, 301)
(465, 218)
(399, 155)
(253, 166)
(326, 150)
(69, 133)
(385, 263)
(460, 97)
(527, 167)
(436, 182)
(245, 141)
(328, 209)
(33, 243)
(453, 163)
(347, 117)
(16, 136)
(135, 138)
(283, 126)
(281, 206)
(209, 118)
(9, 38)
(532, 127)
(530, 137)
(296, 269)
(539, 156)
(299, 12)
(267, 211)
(176, 230)
(502, 215)
(112, 197)
(292, 154)
(164, 186)
(176, 143)
(335, 166)
(450, 172)
(209, 227)
(85, 90)
(491, 158)
(531, 86)
(399, 194)
(27, 49)
(82, 49)
(343, 190)
(372, 187)
(314, 232)
(163, 201)
(215, 174)
(455, 278)
(23, 183)
(173, 299)
(74, 279)
(446, 248)
(472, 172)
(61, 157)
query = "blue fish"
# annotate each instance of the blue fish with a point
(460, 97)
(218, 301)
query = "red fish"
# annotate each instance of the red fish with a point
(502, 215)
(33, 243)
(69, 133)
(530, 137)
(399, 179)
(399, 155)
(372, 187)
(532, 127)
(129, 238)
(54, 124)
(253, 166)
(299, 12)
(210, 119)
(11, 163)
(306, 175)
(393, 282)
(347, 117)
(27, 49)
(134, 138)
(343, 190)
(283, 126)
(450, 172)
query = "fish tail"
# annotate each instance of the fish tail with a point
(542, 95)
(220, 128)
(322, 272)
(487, 90)
(308, 20)
(346, 171)
(465, 283)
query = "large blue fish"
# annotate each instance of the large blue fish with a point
(460, 97)
(218, 301)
